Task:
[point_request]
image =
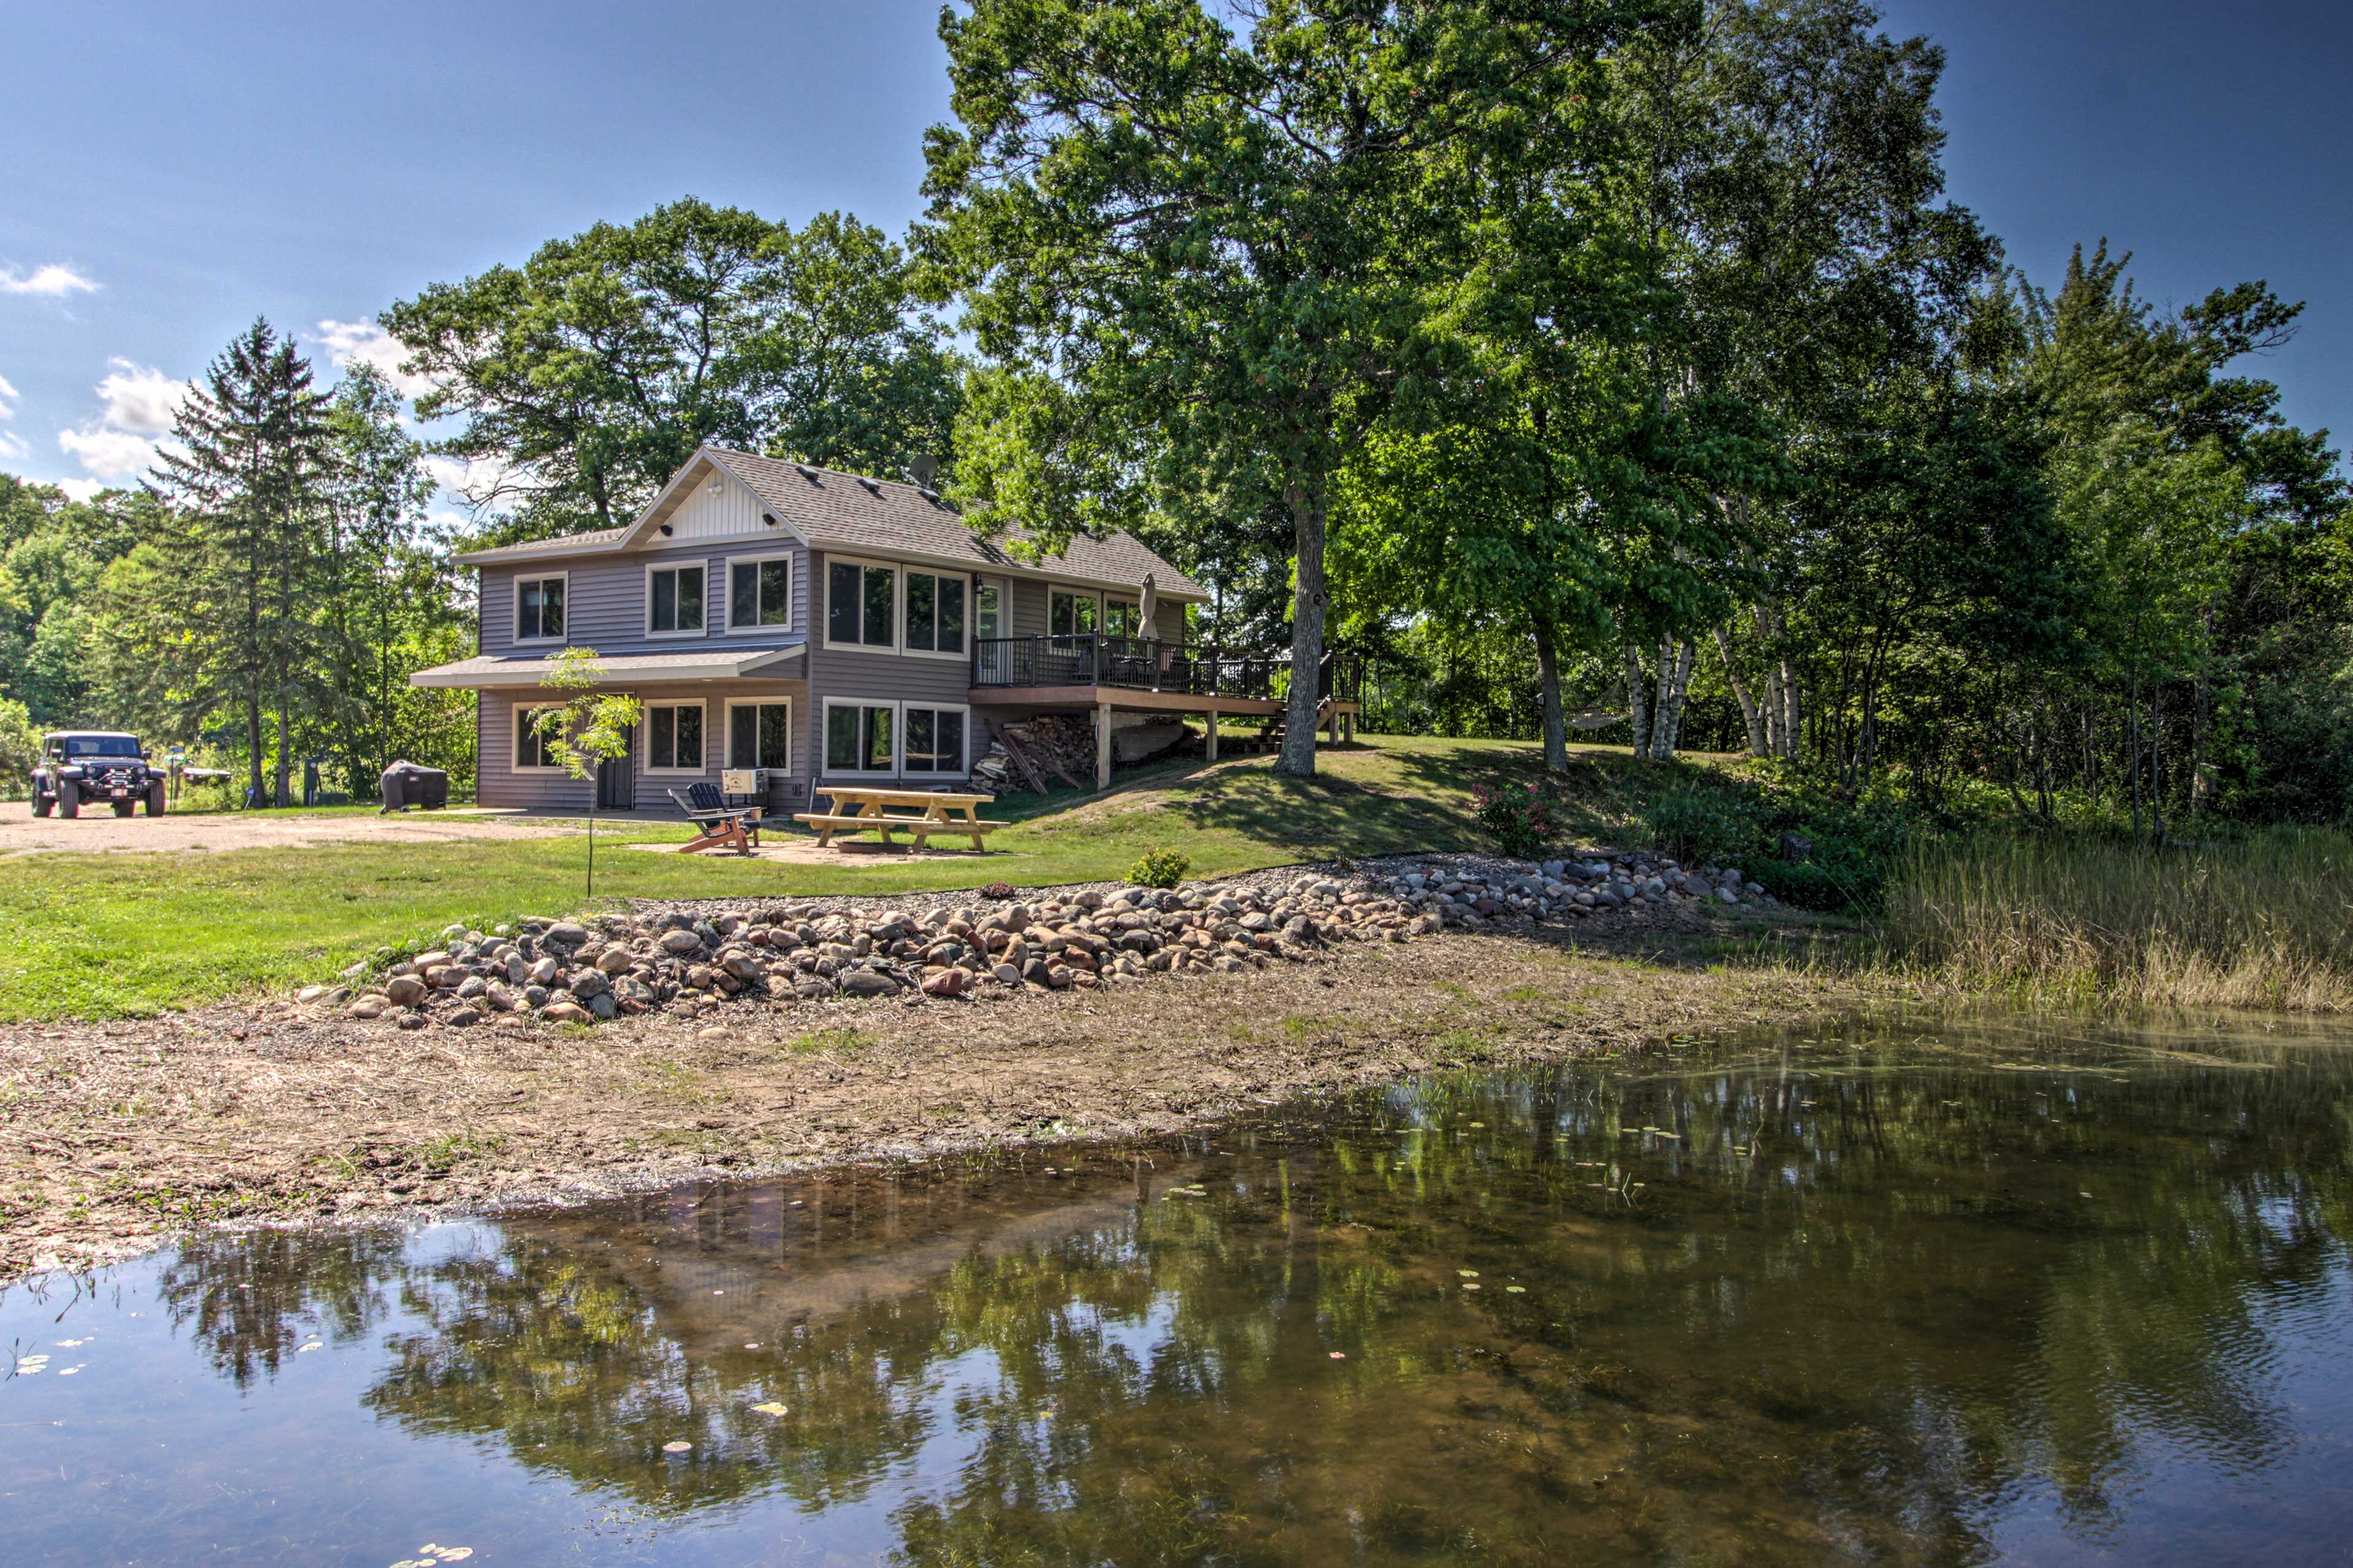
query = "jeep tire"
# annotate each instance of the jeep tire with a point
(68, 798)
(154, 797)
(43, 804)
(124, 807)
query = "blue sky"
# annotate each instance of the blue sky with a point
(173, 170)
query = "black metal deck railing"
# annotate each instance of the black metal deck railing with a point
(1148, 664)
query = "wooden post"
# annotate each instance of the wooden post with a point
(1103, 745)
(1211, 740)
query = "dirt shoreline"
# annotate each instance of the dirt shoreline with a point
(115, 1137)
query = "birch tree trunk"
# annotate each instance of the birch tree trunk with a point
(1674, 680)
(1759, 743)
(1637, 709)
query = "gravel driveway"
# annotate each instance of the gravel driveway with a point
(22, 833)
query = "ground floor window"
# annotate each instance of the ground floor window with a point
(760, 735)
(934, 739)
(532, 748)
(674, 737)
(860, 737)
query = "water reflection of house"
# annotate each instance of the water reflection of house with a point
(720, 1264)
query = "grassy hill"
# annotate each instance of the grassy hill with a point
(117, 935)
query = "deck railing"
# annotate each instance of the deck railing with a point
(1148, 664)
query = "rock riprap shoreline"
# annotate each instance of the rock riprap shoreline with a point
(696, 960)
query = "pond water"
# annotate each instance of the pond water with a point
(1884, 1293)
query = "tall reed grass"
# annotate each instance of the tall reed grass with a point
(2266, 922)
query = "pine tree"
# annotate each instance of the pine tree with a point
(249, 553)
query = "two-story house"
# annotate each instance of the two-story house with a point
(824, 628)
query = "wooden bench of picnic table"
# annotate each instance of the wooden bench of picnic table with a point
(857, 808)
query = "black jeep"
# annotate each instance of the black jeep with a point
(79, 765)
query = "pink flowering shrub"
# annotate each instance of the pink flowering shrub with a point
(1522, 819)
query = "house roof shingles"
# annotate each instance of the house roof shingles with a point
(834, 510)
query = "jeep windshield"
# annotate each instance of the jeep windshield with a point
(99, 745)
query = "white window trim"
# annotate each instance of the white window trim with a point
(727, 735)
(727, 594)
(963, 763)
(825, 768)
(514, 738)
(702, 565)
(963, 654)
(646, 738)
(514, 622)
(1074, 594)
(898, 604)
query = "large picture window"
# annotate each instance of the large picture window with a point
(760, 594)
(934, 739)
(674, 601)
(760, 735)
(531, 751)
(860, 737)
(673, 737)
(1123, 618)
(861, 604)
(539, 609)
(935, 613)
(1070, 614)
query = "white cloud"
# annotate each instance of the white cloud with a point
(109, 454)
(478, 480)
(140, 397)
(7, 399)
(80, 489)
(13, 448)
(51, 282)
(364, 342)
(121, 442)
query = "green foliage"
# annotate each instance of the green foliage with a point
(1700, 822)
(692, 324)
(1160, 868)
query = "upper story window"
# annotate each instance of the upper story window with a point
(1070, 614)
(539, 609)
(861, 602)
(674, 601)
(760, 594)
(935, 613)
(1123, 618)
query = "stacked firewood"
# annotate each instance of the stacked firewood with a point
(1038, 754)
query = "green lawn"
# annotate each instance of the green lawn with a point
(115, 935)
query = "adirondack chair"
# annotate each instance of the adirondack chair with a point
(717, 825)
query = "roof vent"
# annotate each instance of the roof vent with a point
(873, 487)
(805, 471)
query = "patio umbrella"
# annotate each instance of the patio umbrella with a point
(1144, 610)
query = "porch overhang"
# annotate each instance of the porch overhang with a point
(493, 672)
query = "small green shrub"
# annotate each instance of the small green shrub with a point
(1522, 819)
(1702, 823)
(1160, 868)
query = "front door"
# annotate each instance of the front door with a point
(616, 779)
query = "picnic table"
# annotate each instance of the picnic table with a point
(858, 807)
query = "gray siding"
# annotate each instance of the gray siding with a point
(499, 785)
(885, 678)
(604, 599)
